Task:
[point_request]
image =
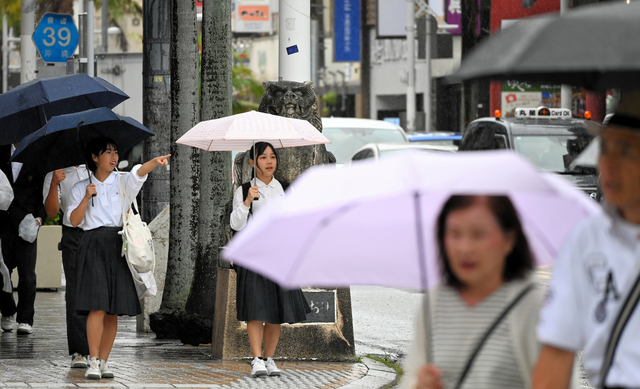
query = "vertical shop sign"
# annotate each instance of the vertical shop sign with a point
(347, 30)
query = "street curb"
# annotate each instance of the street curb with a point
(379, 376)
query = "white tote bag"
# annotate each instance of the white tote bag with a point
(137, 241)
(145, 283)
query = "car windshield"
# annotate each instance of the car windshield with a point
(346, 141)
(553, 152)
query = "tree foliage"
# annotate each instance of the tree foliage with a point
(247, 91)
(12, 9)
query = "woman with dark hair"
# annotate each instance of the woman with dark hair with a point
(104, 285)
(486, 305)
(260, 302)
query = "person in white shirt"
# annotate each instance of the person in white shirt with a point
(56, 191)
(596, 270)
(260, 302)
(104, 283)
(18, 252)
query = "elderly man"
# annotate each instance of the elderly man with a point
(596, 271)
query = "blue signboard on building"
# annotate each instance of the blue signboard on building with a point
(56, 37)
(347, 30)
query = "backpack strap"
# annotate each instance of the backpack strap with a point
(489, 331)
(245, 193)
(626, 310)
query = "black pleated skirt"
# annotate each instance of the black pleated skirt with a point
(104, 281)
(258, 298)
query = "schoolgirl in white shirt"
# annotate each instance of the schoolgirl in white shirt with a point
(260, 302)
(105, 288)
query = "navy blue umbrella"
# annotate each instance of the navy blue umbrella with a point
(26, 108)
(60, 143)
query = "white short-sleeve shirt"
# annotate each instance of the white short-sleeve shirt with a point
(73, 174)
(594, 273)
(106, 210)
(268, 192)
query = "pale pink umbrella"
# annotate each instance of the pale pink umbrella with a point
(241, 131)
(374, 222)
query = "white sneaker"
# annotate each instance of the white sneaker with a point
(104, 369)
(93, 371)
(272, 369)
(257, 368)
(8, 323)
(78, 361)
(24, 328)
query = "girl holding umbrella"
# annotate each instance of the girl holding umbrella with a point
(105, 288)
(260, 302)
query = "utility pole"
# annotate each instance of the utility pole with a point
(411, 66)
(295, 41)
(566, 95)
(105, 26)
(427, 83)
(27, 48)
(90, 41)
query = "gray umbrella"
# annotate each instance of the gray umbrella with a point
(595, 47)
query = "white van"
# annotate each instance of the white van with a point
(348, 135)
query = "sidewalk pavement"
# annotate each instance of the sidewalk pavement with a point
(139, 360)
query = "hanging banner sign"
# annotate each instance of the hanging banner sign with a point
(347, 31)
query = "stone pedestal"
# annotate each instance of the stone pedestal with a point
(160, 230)
(326, 336)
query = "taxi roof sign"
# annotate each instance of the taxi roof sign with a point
(543, 113)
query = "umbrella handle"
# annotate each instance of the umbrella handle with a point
(255, 165)
(93, 195)
(82, 150)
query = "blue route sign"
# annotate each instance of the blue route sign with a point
(56, 37)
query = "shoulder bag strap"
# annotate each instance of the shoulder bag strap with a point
(489, 331)
(123, 197)
(624, 314)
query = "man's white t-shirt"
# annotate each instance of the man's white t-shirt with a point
(594, 273)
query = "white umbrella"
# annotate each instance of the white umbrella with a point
(241, 131)
(374, 222)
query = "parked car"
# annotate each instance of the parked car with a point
(348, 135)
(437, 138)
(549, 138)
(377, 150)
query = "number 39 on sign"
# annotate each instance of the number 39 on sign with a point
(56, 37)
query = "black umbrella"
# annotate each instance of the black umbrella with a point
(26, 108)
(595, 47)
(60, 143)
